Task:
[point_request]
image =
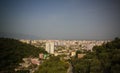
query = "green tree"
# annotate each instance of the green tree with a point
(53, 65)
(12, 51)
(103, 59)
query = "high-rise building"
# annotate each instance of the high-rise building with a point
(47, 47)
(50, 47)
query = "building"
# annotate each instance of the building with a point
(73, 53)
(35, 61)
(81, 55)
(50, 47)
(41, 55)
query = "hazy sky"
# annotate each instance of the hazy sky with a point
(61, 19)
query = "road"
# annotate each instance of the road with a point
(70, 68)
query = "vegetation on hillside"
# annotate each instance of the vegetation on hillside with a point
(12, 51)
(103, 59)
(53, 65)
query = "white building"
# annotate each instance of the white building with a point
(50, 47)
(73, 54)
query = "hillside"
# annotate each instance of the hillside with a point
(53, 65)
(103, 59)
(12, 51)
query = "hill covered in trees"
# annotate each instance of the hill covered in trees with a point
(12, 51)
(53, 65)
(103, 59)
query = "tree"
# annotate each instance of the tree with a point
(12, 51)
(103, 59)
(53, 65)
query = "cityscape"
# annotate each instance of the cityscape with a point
(59, 36)
(65, 48)
(59, 47)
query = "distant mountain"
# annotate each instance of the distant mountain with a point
(18, 35)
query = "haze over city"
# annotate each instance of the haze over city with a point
(60, 19)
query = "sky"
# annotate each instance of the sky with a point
(60, 19)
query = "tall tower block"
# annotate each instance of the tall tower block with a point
(50, 47)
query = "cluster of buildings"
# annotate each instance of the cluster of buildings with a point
(64, 47)
(31, 64)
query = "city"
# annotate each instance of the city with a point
(66, 47)
(59, 36)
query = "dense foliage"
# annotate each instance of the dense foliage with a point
(103, 59)
(12, 51)
(53, 65)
